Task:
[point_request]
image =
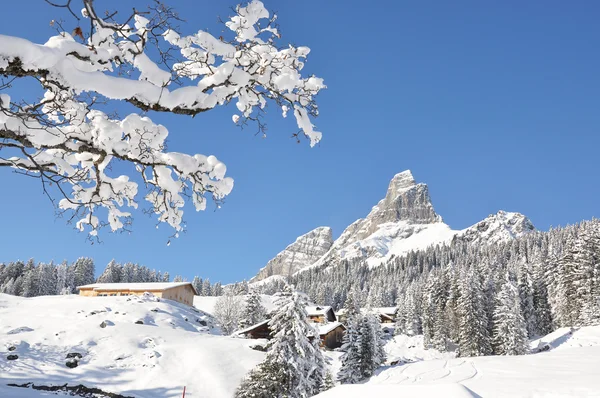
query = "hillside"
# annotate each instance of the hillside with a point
(175, 346)
(569, 368)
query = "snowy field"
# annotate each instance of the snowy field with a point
(207, 303)
(171, 349)
(569, 368)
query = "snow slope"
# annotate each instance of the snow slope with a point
(207, 303)
(171, 349)
(568, 369)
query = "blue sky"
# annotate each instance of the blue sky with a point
(495, 105)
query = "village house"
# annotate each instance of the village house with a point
(321, 314)
(182, 292)
(331, 331)
(385, 314)
(330, 334)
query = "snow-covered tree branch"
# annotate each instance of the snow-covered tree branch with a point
(67, 139)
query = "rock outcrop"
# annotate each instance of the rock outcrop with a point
(307, 249)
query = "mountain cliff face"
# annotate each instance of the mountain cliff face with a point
(307, 249)
(402, 221)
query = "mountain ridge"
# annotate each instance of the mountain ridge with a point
(403, 221)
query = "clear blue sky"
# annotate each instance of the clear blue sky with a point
(494, 104)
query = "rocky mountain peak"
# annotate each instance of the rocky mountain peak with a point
(405, 200)
(307, 249)
(501, 226)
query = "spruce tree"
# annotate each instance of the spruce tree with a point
(254, 311)
(293, 366)
(474, 339)
(350, 371)
(510, 328)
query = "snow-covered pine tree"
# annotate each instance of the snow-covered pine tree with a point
(587, 276)
(197, 282)
(474, 339)
(541, 304)
(510, 328)
(206, 288)
(328, 382)
(567, 310)
(380, 355)
(46, 279)
(293, 366)
(350, 371)
(254, 312)
(367, 347)
(524, 286)
(61, 278)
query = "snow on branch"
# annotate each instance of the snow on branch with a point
(67, 141)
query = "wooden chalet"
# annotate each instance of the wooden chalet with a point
(182, 292)
(321, 314)
(330, 330)
(331, 334)
(259, 331)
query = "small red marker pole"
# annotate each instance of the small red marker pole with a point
(183, 392)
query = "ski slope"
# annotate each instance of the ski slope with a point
(570, 367)
(175, 346)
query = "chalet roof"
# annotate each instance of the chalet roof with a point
(318, 310)
(386, 310)
(136, 287)
(381, 314)
(251, 328)
(380, 310)
(328, 327)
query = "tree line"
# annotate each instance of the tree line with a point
(30, 279)
(477, 299)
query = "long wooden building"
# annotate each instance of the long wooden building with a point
(182, 292)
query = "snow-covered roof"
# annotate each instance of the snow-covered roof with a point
(386, 310)
(137, 287)
(328, 327)
(318, 309)
(250, 328)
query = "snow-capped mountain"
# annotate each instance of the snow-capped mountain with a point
(497, 227)
(307, 249)
(405, 220)
(402, 221)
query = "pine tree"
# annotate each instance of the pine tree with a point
(541, 304)
(474, 339)
(350, 371)
(510, 332)
(380, 355)
(112, 273)
(367, 348)
(328, 382)
(197, 282)
(293, 366)
(524, 286)
(254, 311)
(587, 277)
